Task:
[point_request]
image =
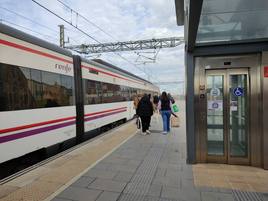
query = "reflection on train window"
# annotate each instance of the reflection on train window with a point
(14, 88)
(51, 89)
(21, 89)
(117, 97)
(25, 88)
(37, 87)
(67, 88)
(133, 93)
(125, 92)
(57, 89)
(107, 93)
(92, 92)
(96, 92)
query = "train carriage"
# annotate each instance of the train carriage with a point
(49, 96)
(108, 93)
(36, 94)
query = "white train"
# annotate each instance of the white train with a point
(49, 96)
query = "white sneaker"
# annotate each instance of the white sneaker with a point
(143, 133)
(164, 132)
(148, 132)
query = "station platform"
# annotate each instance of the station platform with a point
(123, 165)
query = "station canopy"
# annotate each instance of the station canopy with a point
(223, 21)
(233, 20)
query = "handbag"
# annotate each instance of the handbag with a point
(175, 108)
(175, 121)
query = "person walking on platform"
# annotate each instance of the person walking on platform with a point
(145, 111)
(164, 106)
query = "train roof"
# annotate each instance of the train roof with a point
(119, 69)
(10, 31)
(112, 68)
(105, 65)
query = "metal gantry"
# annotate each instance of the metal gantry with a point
(169, 82)
(128, 45)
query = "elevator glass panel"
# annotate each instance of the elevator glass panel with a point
(238, 132)
(215, 124)
(227, 131)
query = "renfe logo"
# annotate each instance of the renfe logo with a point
(66, 68)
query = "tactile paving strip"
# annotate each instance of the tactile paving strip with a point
(246, 196)
(139, 185)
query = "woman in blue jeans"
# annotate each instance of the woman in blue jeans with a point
(164, 106)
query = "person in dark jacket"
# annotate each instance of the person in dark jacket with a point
(145, 111)
(164, 106)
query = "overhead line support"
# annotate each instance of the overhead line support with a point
(128, 45)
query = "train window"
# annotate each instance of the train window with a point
(52, 92)
(140, 92)
(25, 88)
(107, 93)
(133, 93)
(37, 87)
(125, 93)
(26, 72)
(3, 100)
(117, 96)
(58, 90)
(67, 88)
(93, 93)
(100, 92)
(22, 98)
(15, 88)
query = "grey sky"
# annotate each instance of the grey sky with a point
(123, 19)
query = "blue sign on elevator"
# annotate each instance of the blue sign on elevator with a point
(238, 91)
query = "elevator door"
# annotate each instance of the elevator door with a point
(227, 101)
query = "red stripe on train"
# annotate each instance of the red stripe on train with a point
(7, 43)
(90, 114)
(110, 74)
(34, 125)
(52, 121)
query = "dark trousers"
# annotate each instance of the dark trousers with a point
(145, 122)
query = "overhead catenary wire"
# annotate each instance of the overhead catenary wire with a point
(26, 28)
(37, 23)
(91, 37)
(72, 38)
(22, 16)
(98, 27)
(87, 20)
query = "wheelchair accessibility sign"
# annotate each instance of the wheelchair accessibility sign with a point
(238, 91)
